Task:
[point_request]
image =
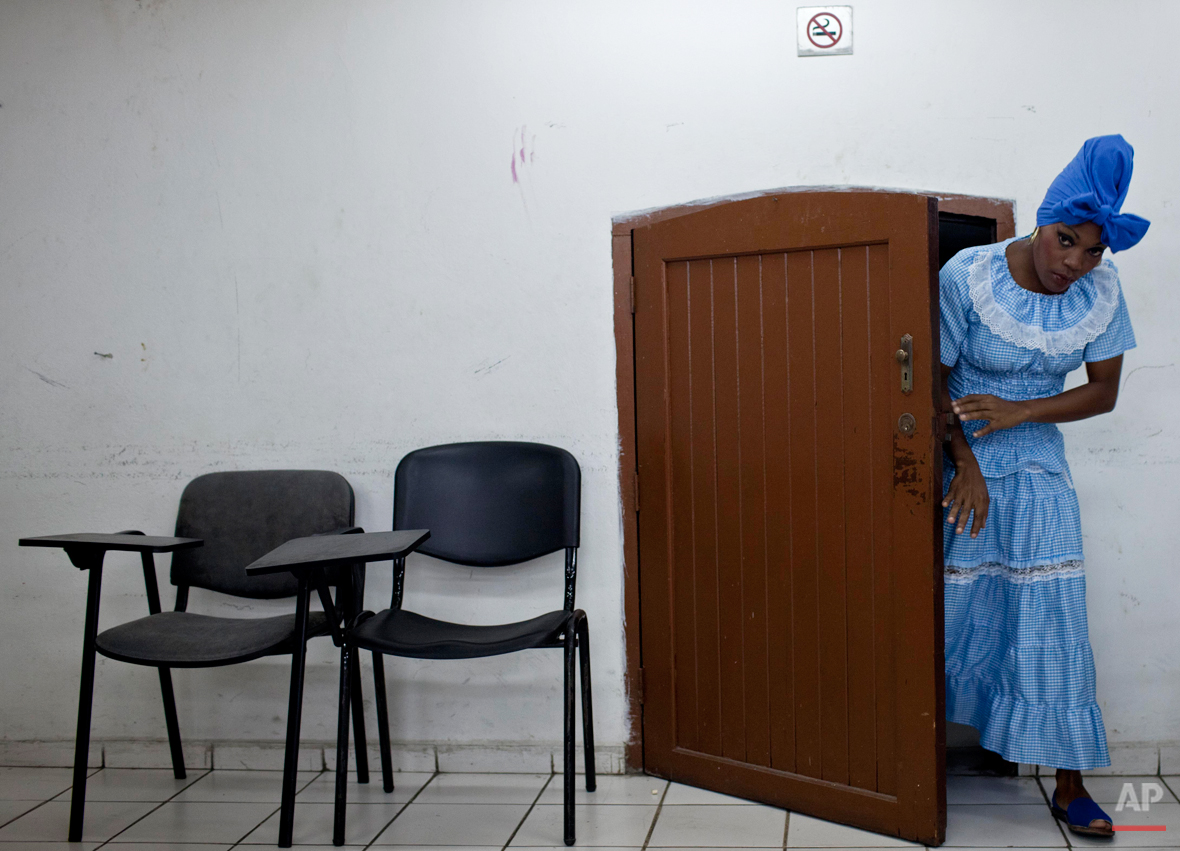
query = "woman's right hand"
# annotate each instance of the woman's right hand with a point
(967, 494)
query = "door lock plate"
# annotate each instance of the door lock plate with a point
(905, 357)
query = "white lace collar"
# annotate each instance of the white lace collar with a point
(1053, 324)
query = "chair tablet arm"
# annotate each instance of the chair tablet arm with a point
(86, 549)
(343, 530)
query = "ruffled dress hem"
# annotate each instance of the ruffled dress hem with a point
(1070, 738)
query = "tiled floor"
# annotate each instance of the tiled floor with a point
(137, 810)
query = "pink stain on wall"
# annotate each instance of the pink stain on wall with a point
(524, 148)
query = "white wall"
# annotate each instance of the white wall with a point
(296, 228)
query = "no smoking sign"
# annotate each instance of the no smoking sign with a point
(824, 30)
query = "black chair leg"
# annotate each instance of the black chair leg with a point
(294, 715)
(568, 769)
(582, 629)
(85, 703)
(382, 721)
(172, 723)
(341, 802)
(358, 723)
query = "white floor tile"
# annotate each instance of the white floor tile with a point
(133, 784)
(197, 821)
(51, 822)
(52, 846)
(313, 824)
(679, 794)
(453, 824)
(34, 784)
(485, 789)
(11, 809)
(719, 826)
(808, 832)
(405, 786)
(962, 789)
(612, 789)
(165, 846)
(241, 787)
(604, 825)
(988, 825)
(1167, 815)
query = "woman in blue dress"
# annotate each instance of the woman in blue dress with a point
(1016, 317)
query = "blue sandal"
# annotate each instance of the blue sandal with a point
(1079, 814)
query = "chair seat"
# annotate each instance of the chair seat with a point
(187, 640)
(396, 632)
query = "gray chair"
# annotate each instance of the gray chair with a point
(241, 516)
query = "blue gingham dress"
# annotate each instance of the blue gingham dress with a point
(1019, 667)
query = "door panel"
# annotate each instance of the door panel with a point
(790, 545)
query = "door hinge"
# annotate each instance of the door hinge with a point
(632, 295)
(636, 494)
(640, 685)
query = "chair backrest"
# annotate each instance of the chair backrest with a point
(244, 515)
(489, 504)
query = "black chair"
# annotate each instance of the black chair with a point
(486, 505)
(242, 516)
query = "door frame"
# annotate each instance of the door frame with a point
(1003, 211)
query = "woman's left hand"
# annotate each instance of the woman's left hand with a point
(999, 413)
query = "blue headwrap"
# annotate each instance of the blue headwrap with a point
(1092, 188)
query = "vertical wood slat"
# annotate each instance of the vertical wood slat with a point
(881, 487)
(779, 520)
(681, 429)
(751, 428)
(829, 414)
(705, 509)
(804, 550)
(857, 391)
(727, 393)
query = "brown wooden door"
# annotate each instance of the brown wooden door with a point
(790, 544)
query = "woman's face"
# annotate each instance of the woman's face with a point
(1063, 253)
